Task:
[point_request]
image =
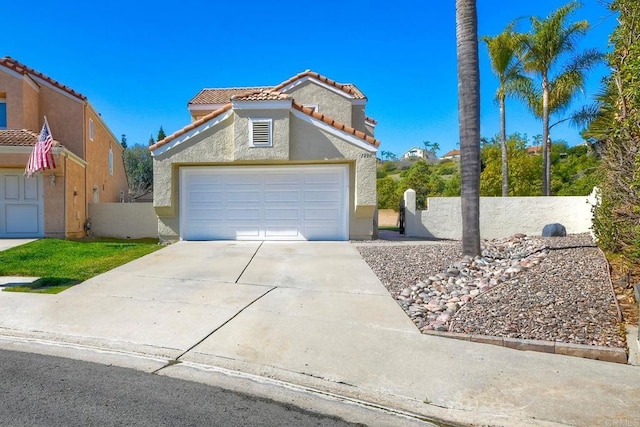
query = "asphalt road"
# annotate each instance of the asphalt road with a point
(38, 390)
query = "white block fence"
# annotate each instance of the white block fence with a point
(499, 216)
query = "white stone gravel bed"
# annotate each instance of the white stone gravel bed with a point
(553, 289)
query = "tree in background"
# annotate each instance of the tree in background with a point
(469, 119)
(524, 169)
(504, 50)
(550, 41)
(139, 168)
(161, 134)
(151, 140)
(617, 128)
(123, 141)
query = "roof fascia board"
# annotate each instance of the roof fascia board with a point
(68, 154)
(193, 132)
(335, 131)
(324, 85)
(205, 107)
(261, 105)
(60, 91)
(16, 149)
(24, 77)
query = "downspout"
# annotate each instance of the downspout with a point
(84, 157)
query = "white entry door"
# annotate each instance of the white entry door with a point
(264, 202)
(21, 205)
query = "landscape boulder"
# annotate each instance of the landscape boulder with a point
(554, 230)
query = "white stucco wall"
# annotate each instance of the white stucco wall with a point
(123, 220)
(499, 216)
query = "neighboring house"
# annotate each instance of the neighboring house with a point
(451, 155)
(415, 153)
(296, 161)
(88, 157)
(535, 150)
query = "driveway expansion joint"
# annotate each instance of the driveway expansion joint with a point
(177, 359)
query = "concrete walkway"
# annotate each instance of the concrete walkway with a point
(12, 243)
(313, 315)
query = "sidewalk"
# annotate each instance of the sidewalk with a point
(315, 316)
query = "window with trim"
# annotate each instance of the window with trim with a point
(3, 111)
(91, 129)
(110, 161)
(261, 132)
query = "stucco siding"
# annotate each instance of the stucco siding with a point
(99, 178)
(329, 103)
(280, 135)
(357, 119)
(75, 192)
(64, 115)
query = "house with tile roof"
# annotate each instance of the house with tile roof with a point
(88, 157)
(294, 161)
(451, 155)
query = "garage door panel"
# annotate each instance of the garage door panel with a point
(321, 196)
(205, 214)
(321, 178)
(286, 214)
(21, 218)
(11, 187)
(243, 195)
(289, 196)
(236, 214)
(273, 203)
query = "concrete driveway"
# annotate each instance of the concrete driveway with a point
(167, 302)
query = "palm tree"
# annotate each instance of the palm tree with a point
(469, 119)
(544, 46)
(504, 52)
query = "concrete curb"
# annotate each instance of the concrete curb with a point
(605, 354)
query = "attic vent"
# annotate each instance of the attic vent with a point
(261, 133)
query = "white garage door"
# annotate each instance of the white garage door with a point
(20, 205)
(264, 203)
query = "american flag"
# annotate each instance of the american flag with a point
(41, 157)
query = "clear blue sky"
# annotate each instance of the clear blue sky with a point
(139, 63)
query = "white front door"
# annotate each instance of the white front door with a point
(264, 202)
(21, 205)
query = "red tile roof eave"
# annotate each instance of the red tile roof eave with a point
(336, 124)
(348, 88)
(20, 68)
(191, 126)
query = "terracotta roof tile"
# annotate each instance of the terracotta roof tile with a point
(223, 95)
(24, 70)
(346, 87)
(451, 153)
(19, 138)
(263, 95)
(328, 120)
(370, 120)
(191, 126)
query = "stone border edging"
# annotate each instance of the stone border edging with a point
(606, 354)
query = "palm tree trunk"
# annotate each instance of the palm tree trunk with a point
(546, 161)
(503, 142)
(469, 122)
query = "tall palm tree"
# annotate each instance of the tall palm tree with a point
(469, 121)
(504, 50)
(547, 43)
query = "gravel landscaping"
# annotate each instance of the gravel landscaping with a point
(553, 289)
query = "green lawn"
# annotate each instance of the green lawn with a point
(61, 264)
